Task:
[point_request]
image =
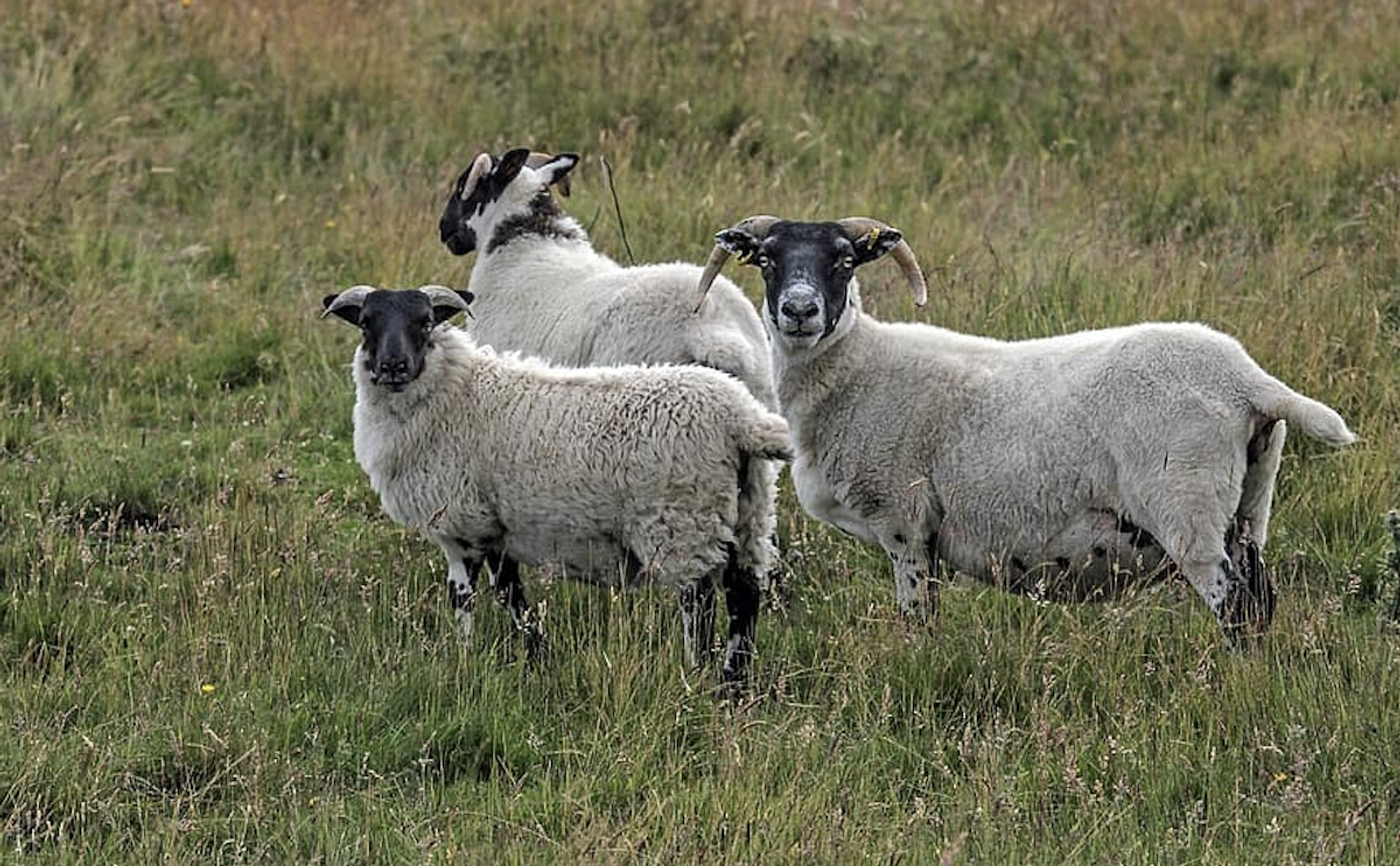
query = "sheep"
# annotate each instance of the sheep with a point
(614, 475)
(542, 289)
(1065, 468)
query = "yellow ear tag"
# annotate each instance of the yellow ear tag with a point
(870, 239)
(744, 257)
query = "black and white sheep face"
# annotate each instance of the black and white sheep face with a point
(807, 270)
(496, 187)
(397, 327)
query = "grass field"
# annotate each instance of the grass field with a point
(215, 649)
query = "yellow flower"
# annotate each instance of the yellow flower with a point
(207, 688)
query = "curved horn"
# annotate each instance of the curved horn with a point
(757, 225)
(857, 227)
(910, 266)
(442, 296)
(351, 297)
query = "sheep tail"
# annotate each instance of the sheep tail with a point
(1305, 414)
(765, 436)
(763, 440)
(1265, 455)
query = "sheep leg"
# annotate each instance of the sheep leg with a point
(462, 570)
(774, 583)
(510, 593)
(1212, 546)
(914, 589)
(1225, 590)
(742, 596)
(1249, 604)
(698, 620)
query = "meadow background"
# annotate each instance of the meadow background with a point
(213, 648)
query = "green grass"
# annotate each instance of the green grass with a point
(214, 648)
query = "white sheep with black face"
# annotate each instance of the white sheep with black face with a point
(1064, 467)
(542, 289)
(610, 475)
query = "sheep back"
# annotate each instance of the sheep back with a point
(636, 315)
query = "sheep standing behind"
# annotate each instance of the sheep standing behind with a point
(609, 475)
(1064, 467)
(540, 288)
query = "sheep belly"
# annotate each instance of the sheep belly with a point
(591, 559)
(1095, 557)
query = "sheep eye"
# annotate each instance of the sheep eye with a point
(763, 262)
(849, 262)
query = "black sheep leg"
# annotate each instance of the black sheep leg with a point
(505, 580)
(698, 620)
(742, 598)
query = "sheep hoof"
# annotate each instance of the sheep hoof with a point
(735, 685)
(536, 645)
(923, 612)
(738, 657)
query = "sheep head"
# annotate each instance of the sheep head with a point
(495, 188)
(807, 268)
(397, 326)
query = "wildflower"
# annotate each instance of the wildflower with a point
(207, 688)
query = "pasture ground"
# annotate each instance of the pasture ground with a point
(213, 648)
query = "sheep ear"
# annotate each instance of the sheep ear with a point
(737, 243)
(875, 243)
(555, 172)
(347, 304)
(509, 166)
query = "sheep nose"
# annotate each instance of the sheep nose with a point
(799, 309)
(393, 368)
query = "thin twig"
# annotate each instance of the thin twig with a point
(1392, 522)
(617, 207)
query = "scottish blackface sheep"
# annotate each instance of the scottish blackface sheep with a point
(1064, 467)
(611, 475)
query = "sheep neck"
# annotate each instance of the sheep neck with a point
(543, 219)
(805, 378)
